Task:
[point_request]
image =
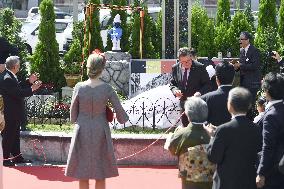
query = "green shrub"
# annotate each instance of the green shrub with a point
(266, 15)
(221, 40)
(223, 12)
(266, 42)
(45, 60)
(10, 27)
(147, 44)
(281, 23)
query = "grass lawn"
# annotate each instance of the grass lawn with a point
(68, 128)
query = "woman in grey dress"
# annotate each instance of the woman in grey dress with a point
(91, 154)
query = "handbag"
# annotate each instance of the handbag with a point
(194, 165)
(109, 114)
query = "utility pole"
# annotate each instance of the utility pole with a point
(75, 10)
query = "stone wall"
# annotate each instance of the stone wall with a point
(117, 72)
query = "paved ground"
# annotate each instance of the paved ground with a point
(52, 177)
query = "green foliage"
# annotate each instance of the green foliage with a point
(75, 52)
(249, 16)
(124, 42)
(68, 128)
(135, 32)
(202, 31)
(221, 40)
(281, 23)
(147, 46)
(157, 36)
(198, 23)
(10, 27)
(223, 12)
(72, 68)
(239, 24)
(266, 15)
(206, 47)
(45, 60)
(94, 40)
(266, 42)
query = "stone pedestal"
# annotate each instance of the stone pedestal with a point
(117, 72)
(67, 92)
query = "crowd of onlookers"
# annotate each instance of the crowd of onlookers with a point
(222, 143)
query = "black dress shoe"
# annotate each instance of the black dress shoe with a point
(8, 163)
(22, 161)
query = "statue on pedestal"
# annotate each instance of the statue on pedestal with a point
(116, 32)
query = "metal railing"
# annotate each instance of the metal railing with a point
(47, 109)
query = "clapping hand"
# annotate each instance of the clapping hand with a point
(36, 85)
(34, 77)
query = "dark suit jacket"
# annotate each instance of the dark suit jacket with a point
(6, 49)
(250, 69)
(198, 80)
(217, 105)
(13, 96)
(273, 145)
(234, 149)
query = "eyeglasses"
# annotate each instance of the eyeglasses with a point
(243, 39)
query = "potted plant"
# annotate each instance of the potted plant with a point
(72, 65)
(72, 73)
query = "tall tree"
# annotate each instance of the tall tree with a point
(206, 47)
(93, 36)
(221, 40)
(266, 15)
(198, 23)
(249, 16)
(135, 32)
(157, 35)
(147, 45)
(124, 42)
(223, 12)
(10, 27)
(266, 37)
(281, 23)
(239, 24)
(266, 42)
(45, 60)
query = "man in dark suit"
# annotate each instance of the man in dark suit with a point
(13, 96)
(217, 100)
(249, 67)
(234, 145)
(6, 49)
(272, 126)
(189, 78)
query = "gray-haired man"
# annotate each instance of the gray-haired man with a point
(235, 144)
(13, 94)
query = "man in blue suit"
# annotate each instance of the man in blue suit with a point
(272, 123)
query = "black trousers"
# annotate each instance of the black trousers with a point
(11, 138)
